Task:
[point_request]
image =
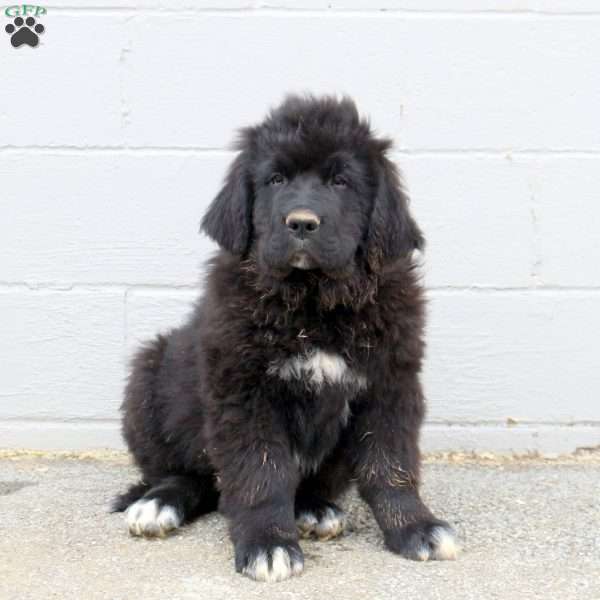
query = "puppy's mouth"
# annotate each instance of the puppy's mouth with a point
(302, 260)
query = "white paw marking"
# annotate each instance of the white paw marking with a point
(317, 368)
(283, 566)
(329, 526)
(445, 546)
(145, 517)
(306, 522)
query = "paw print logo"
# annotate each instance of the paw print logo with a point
(24, 32)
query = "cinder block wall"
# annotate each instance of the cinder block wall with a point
(113, 140)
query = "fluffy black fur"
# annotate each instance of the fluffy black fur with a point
(218, 415)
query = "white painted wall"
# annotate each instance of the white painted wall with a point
(113, 139)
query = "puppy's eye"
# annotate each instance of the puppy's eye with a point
(339, 181)
(276, 179)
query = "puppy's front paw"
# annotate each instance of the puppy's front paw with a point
(151, 518)
(429, 539)
(269, 562)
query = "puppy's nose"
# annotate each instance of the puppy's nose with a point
(302, 222)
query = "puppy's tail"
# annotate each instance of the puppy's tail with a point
(134, 493)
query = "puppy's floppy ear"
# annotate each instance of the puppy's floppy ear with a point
(392, 231)
(228, 219)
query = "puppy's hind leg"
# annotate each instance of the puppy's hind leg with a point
(173, 501)
(317, 516)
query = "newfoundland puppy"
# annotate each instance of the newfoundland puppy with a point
(297, 373)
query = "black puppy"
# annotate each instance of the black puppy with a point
(298, 371)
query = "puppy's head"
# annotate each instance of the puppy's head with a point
(312, 190)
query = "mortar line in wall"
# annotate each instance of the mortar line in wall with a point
(434, 423)
(274, 11)
(58, 421)
(114, 149)
(129, 287)
(536, 240)
(92, 287)
(536, 289)
(518, 425)
(506, 153)
(125, 108)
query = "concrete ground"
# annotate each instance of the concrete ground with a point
(529, 529)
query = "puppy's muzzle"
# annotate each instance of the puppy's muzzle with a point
(302, 223)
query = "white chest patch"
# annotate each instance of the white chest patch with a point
(317, 368)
